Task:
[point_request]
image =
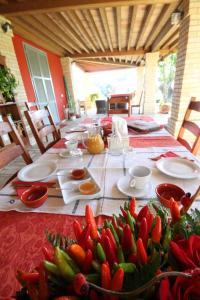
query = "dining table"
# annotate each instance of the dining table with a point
(23, 230)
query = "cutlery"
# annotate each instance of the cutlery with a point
(29, 184)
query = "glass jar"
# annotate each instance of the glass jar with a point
(93, 141)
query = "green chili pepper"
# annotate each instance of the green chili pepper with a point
(96, 266)
(65, 269)
(70, 261)
(120, 232)
(127, 267)
(131, 221)
(100, 253)
(114, 233)
(52, 268)
(167, 238)
(93, 277)
(107, 224)
(120, 254)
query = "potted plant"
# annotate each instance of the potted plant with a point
(8, 84)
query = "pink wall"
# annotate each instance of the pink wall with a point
(55, 69)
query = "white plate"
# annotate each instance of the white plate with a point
(37, 171)
(74, 135)
(178, 167)
(124, 188)
(70, 195)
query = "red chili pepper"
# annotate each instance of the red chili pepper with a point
(48, 254)
(132, 257)
(164, 290)
(84, 236)
(112, 239)
(94, 295)
(105, 276)
(124, 213)
(149, 218)
(32, 291)
(103, 234)
(128, 243)
(29, 277)
(89, 244)
(132, 206)
(143, 213)
(80, 284)
(91, 220)
(181, 256)
(114, 222)
(77, 229)
(143, 233)
(175, 211)
(157, 230)
(88, 261)
(141, 252)
(110, 251)
(43, 284)
(117, 280)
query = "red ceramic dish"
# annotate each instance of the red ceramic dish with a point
(166, 191)
(35, 196)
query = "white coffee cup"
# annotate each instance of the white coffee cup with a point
(140, 176)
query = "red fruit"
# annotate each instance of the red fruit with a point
(80, 284)
(186, 199)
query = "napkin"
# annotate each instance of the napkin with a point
(119, 127)
(168, 154)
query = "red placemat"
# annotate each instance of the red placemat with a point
(151, 141)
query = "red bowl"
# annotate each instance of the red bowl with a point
(35, 196)
(166, 191)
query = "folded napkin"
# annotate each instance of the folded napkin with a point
(21, 186)
(119, 138)
(144, 126)
(166, 154)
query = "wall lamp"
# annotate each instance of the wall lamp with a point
(6, 27)
(176, 17)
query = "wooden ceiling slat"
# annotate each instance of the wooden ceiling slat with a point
(114, 53)
(106, 27)
(133, 17)
(80, 27)
(160, 22)
(167, 31)
(145, 23)
(73, 40)
(49, 25)
(33, 23)
(30, 34)
(14, 8)
(118, 12)
(94, 29)
(171, 39)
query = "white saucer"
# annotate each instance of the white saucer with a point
(124, 188)
(64, 154)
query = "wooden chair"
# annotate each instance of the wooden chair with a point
(137, 105)
(191, 127)
(36, 117)
(9, 152)
(121, 99)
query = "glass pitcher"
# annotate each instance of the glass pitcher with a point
(93, 141)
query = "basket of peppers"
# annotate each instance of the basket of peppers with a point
(153, 254)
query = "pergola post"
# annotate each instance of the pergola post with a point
(66, 63)
(140, 84)
(187, 78)
(150, 82)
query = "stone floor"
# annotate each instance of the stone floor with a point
(18, 163)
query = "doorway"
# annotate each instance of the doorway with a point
(41, 79)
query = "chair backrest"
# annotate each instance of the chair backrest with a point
(36, 117)
(16, 148)
(101, 106)
(192, 127)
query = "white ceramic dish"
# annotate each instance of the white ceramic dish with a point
(64, 154)
(70, 194)
(37, 171)
(178, 167)
(74, 135)
(124, 188)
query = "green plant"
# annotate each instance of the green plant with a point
(93, 97)
(8, 83)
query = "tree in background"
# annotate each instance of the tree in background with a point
(166, 75)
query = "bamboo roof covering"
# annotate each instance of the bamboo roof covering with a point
(94, 33)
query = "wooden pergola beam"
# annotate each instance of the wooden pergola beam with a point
(130, 35)
(127, 65)
(113, 53)
(20, 8)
